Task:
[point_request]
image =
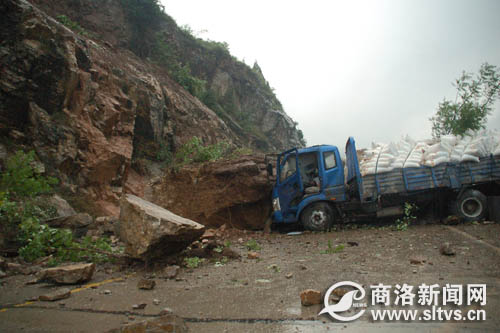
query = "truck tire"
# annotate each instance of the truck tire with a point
(317, 217)
(471, 206)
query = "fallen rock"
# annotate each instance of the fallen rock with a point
(170, 272)
(208, 234)
(139, 306)
(56, 295)
(103, 225)
(146, 284)
(165, 311)
(417, 260)
(235, 192)
(310, 297)
(452, 220)
(229, 253)
(151, 231)
(15, 268)
(253, 255)
(289, 275)
(62, 207)
(78, 223)
(68, 274)
(446, 249)
(166, 323)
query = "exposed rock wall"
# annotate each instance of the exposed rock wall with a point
(251, 110)
(82, 104)
(90, 107)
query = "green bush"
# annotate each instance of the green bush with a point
(21, 211)
(164, 55)
(331, 250)
(252, 245)
(41, 240)
(72, 25)
(408, 217)
(193, 262)
(145, 17)
(20, 179)
(195, 152)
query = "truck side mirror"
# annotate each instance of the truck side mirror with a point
(269, 170)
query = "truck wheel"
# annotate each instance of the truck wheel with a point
(471, 206)
(317, 217)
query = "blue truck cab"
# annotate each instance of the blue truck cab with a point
(305, 176)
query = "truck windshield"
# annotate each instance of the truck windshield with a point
(288, 168)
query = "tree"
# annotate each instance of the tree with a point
(473, 103)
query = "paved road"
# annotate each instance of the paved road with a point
(257, 296)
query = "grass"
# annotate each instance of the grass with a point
(252, 245)
(330, 249)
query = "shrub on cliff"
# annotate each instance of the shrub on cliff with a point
(21, 213)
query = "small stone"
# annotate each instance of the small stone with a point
(414, 271)
(253, 255)
(289, 275)
(310, 297)
(208, 234)
(56, 295)
(146, 284)
(446, 249)
(139, 306)
(165, 311)
(2, 274)
(302, 267)
(170, 272)
(107, 292)
(263, 281)
(417, 260)
(156, 301)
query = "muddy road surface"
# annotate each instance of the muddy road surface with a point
(263, 294)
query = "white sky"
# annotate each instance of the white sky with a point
(375, 70)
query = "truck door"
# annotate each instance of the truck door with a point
(333, 175)
(290, 186)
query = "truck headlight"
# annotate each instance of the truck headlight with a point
(276, 204)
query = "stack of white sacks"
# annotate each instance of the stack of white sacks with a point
(408, 153)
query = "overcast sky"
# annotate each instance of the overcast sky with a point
(375, 70)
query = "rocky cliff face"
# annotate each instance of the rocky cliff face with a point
(88, 105)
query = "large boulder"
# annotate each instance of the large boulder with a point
(152, 231)
(236, 192)
(78, 223)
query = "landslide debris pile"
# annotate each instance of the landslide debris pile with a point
(236, 192)
(408, 153)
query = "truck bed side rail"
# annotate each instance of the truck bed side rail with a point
(446, 175)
